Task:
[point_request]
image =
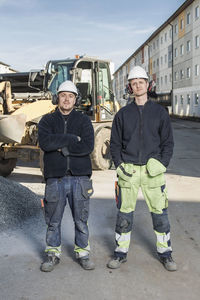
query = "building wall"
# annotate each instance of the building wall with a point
(160, 49)
(172, 60)
(186, 91)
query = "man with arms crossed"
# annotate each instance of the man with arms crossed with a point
(67, 138)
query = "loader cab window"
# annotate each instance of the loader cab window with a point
(59, 72)
(83, 81)
(105, 95)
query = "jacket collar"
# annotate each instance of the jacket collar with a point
(58, 113)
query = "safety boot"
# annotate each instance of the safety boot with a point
(49, 263)
(86, 263)
(168, 263)
(116, 262)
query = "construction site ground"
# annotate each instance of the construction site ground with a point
(22, 237)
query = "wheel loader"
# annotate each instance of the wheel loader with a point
(26, 97)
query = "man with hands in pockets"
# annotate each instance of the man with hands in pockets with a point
(141, 148)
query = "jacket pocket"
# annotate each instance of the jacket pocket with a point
(51, 190)
(86, 187)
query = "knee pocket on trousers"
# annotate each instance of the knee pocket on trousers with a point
(161, 222)
(124, 222)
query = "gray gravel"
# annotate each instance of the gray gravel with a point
(17, 204)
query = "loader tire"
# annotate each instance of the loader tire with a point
(7, 166)
(101, 158)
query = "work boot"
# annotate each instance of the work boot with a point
(168, 263)
(49, 263)
(86, 263)
(116, 262)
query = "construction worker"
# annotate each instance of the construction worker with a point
(141, 148)
(67, 138)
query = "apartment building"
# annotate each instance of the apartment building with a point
(171, 56)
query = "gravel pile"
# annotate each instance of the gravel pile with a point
(17, 204)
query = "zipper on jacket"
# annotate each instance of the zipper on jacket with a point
(141, 133)
(65, 131)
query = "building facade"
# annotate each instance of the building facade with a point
(171, 56)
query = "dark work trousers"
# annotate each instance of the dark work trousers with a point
(75, 190)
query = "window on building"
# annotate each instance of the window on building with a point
(196, 70)
(181, 24)
(175, 76)
(157, 43)
(181, 99)
(196, 12)
(170, 77)
(196, 41)
(176, 100)
(181, 49)
(161, 80)
(188, 18)
(170, 55)
(154, 46)
(161, 60)
(176, 28)
(166, 37)
(165, 79)
(170, 33)
(161, 40)
(154, 64)
(157, 62)
(165, 58)
(188, 46)
(188, 72)
(175, 52)
(181, 74)
(157, 81)
(196, 99)
(188, 99)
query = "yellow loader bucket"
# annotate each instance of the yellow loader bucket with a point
(12, 128)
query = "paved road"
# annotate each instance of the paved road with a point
(142, 277)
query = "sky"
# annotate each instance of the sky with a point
(35, 31)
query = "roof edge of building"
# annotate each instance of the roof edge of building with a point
(167, 22)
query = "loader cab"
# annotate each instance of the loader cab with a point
(93, 80)
(57, 72)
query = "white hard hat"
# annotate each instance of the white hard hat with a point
(137, 72)
(68, 86)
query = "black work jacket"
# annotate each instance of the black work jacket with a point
(63, 152)
(138, 135)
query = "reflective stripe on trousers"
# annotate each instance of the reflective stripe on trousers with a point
(163, 242)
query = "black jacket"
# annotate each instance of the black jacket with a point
(55, 134)
(139, 135)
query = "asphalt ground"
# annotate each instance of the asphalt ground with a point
(143, 276)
